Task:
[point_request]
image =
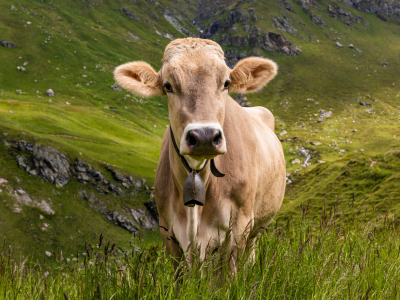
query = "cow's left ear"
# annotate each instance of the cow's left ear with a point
(251, 74)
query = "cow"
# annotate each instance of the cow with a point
(211, 134)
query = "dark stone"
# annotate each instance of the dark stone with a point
(143, 219)
(129, 13)
(52, 165)
(7, 44)
(154, 16)
(83, 194)
(101, 190)
(152, 208)
(362, 103)
(121, 220)
(116, 189)
(21, 160)
(116, 87)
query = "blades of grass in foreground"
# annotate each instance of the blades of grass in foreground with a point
(304, 259)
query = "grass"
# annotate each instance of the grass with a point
(301, 259)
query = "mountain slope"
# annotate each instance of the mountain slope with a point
(72, 47)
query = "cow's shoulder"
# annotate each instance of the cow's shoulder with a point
(264, 114)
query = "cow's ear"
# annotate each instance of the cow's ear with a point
(139, 78)
(251, 74)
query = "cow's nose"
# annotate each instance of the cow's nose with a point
(204, 141)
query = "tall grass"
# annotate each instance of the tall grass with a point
(302, 259)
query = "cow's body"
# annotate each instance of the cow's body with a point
(208, 124)
(251, 192)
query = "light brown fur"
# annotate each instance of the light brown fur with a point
(253, 188)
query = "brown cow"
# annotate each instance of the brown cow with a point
(208, 124)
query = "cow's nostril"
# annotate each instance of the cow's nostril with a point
(217, 140)
(191, 140)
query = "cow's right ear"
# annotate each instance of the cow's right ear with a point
(139, 78)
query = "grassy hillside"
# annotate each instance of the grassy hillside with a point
(72, 48)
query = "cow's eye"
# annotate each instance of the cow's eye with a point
(226, 84)
(168, 87)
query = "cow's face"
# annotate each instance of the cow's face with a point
(197, 81)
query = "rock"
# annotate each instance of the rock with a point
(355, 130)
(296, 161)
(338, 44)
(246, 27)
(284, 132)
(45, 207)
(7, 44)
(50, 93)
(154, 16)
(121, 220)
(21, 160)
(129, 13)
(321, 161)
(383, 64)
(83, 194)
(324, 114)
(304, 152)
(365, 104)
(116, 189)
(366, 24)
(141, 218)
(350, 46)
(93, 198)
(22, 145)
(152, 208)
(283, 25)
(358, 50)
(111, 107)
(48, 253)
(315, 143)
(52, 165)
(132, 36)
(100, 190)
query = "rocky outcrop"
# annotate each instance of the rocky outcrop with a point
(51, 164)
(284, 25)
(286, 4)
(310, 3)
(152, 208)
(143, 219)
(129, 13)
(385, 11)
(56, 168)
(271, 41)
(121, 220)
(7, 44)
(345, 17)
(134, 221)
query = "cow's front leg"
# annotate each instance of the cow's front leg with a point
(171, 243)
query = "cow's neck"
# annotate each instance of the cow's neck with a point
(179, 174)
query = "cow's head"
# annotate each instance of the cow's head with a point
(196, 80)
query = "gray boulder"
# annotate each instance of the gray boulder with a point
(7, 44)
(50, 93)
(121, 220)
(143, 219)
(51, 164)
